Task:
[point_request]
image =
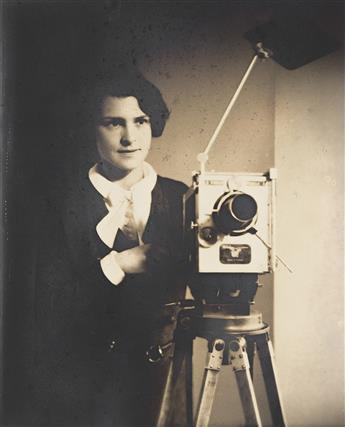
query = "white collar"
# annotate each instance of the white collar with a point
(116, 200)
(106, 187)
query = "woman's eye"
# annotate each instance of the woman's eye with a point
(143, 120)
(111, 124)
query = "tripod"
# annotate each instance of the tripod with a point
(232, 339)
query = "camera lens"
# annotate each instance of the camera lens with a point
(243, 207)
(234, 213)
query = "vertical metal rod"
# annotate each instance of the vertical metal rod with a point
(273, 223)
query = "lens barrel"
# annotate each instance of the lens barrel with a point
(235, 213)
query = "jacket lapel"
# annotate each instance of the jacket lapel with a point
(157, 212)
(84, 208)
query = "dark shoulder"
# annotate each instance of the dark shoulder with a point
(171, 185)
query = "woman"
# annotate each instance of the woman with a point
(109, 259)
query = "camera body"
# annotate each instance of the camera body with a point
(229, 222)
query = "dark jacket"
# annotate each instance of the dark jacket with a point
(76, 379)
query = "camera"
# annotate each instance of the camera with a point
(229, 222)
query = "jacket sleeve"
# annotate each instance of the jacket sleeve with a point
(55, 285)
(71, 292)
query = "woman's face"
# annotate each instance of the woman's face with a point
(123, 133)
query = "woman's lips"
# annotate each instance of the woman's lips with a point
(125, 152)
(128, 153)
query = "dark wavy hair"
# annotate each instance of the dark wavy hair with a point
(148, 95)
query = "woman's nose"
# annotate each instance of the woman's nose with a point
(128, 136)
(125, 142)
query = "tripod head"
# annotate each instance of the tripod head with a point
(232, 292)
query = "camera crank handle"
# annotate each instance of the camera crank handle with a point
(284, 264)
(254, 231)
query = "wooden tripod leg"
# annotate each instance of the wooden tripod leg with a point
(209, 384)
(251, 354)
(167, 399)
(189, 383)
(241, 367)
(266, 355)
(182, 358)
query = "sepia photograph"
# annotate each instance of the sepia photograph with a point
(172, 246)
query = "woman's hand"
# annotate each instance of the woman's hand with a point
(133, 261)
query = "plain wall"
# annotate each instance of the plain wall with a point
(309, 304)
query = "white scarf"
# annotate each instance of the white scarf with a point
(119, 202)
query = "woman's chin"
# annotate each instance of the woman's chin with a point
(117, 170)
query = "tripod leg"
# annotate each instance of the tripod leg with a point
(251, 353)
(209, 384)
(167, 400)
(241, 367)
(189, 383)
(266, 355)
(182, 358)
